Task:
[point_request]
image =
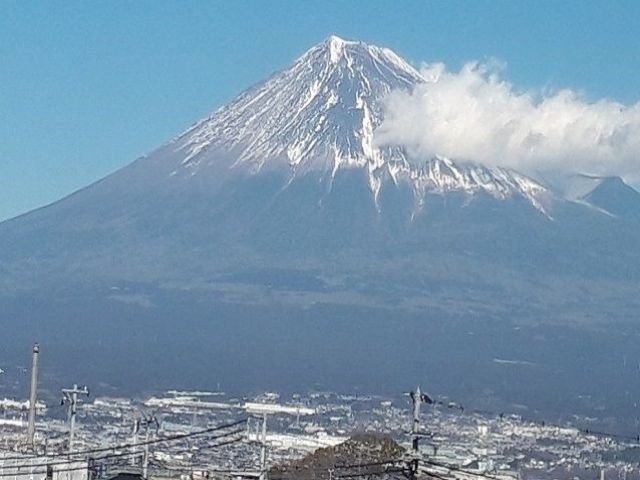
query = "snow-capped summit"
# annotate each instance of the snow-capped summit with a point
(320, 115)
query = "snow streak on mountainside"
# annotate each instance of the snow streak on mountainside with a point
(320, 115)
(442, 175)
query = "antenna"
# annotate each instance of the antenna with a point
(31, 430)
(70, 397)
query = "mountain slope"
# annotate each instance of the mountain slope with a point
(277, 229)
(287, 173)
(319, 117)
(616, 197)
(291, 163)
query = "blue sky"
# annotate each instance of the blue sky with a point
(87, 86)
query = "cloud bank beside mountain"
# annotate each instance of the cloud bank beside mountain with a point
(476, 114)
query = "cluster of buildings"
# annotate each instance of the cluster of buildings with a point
(211, 434)
(119, 435)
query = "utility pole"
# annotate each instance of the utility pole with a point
(147, 421)
(417, 399)
(145, 462)
(31, 430)
(70, 397)
(134, 438)
(263, 449)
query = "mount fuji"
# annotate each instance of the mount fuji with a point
(280, 208)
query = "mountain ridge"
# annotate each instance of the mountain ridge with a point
(319, 115)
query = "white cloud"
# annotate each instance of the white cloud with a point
(476, 115)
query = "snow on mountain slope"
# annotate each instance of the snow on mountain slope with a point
(320, 115)
(323, 108)
(442, 175)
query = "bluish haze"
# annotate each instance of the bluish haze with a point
(89, 86)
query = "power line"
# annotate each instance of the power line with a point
(435, 475)
(371, 474)
(386, 471)
(105, 457)
(282, 472)
(159, 467)
(170, 438)
(339, 466)
(502, 415)
(192, 468)
(115, 455)
(454, 468)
